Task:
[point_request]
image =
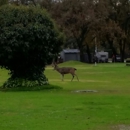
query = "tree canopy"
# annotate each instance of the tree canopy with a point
(83, 20)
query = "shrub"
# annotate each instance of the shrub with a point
(28, 37)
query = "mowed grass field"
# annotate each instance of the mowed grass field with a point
(100, 100)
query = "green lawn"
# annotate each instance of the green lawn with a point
(104, 106)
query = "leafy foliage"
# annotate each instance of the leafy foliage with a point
(81, 21)
(28, 37)
(3, 2)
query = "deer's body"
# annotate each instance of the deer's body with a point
(66, 70)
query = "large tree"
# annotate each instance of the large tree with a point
(77, 19)
(28, 37)
(83, 20)
(119, 13)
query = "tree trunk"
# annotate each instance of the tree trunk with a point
(122, 49)
(81, 55)
(88, 53)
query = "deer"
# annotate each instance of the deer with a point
(65, 70)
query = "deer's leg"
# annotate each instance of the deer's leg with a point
(62, 78)
(77, 77)
(72, 77)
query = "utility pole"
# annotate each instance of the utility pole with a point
(95, 51)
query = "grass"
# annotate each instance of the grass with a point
(61, 109)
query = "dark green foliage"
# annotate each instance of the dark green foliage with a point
(28, 37)
(3, 2)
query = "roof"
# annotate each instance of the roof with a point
(71, 51)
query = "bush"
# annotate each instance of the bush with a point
(28, 38)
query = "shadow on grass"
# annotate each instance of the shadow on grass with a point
(36, 88)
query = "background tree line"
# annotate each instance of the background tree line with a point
(86, 21)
